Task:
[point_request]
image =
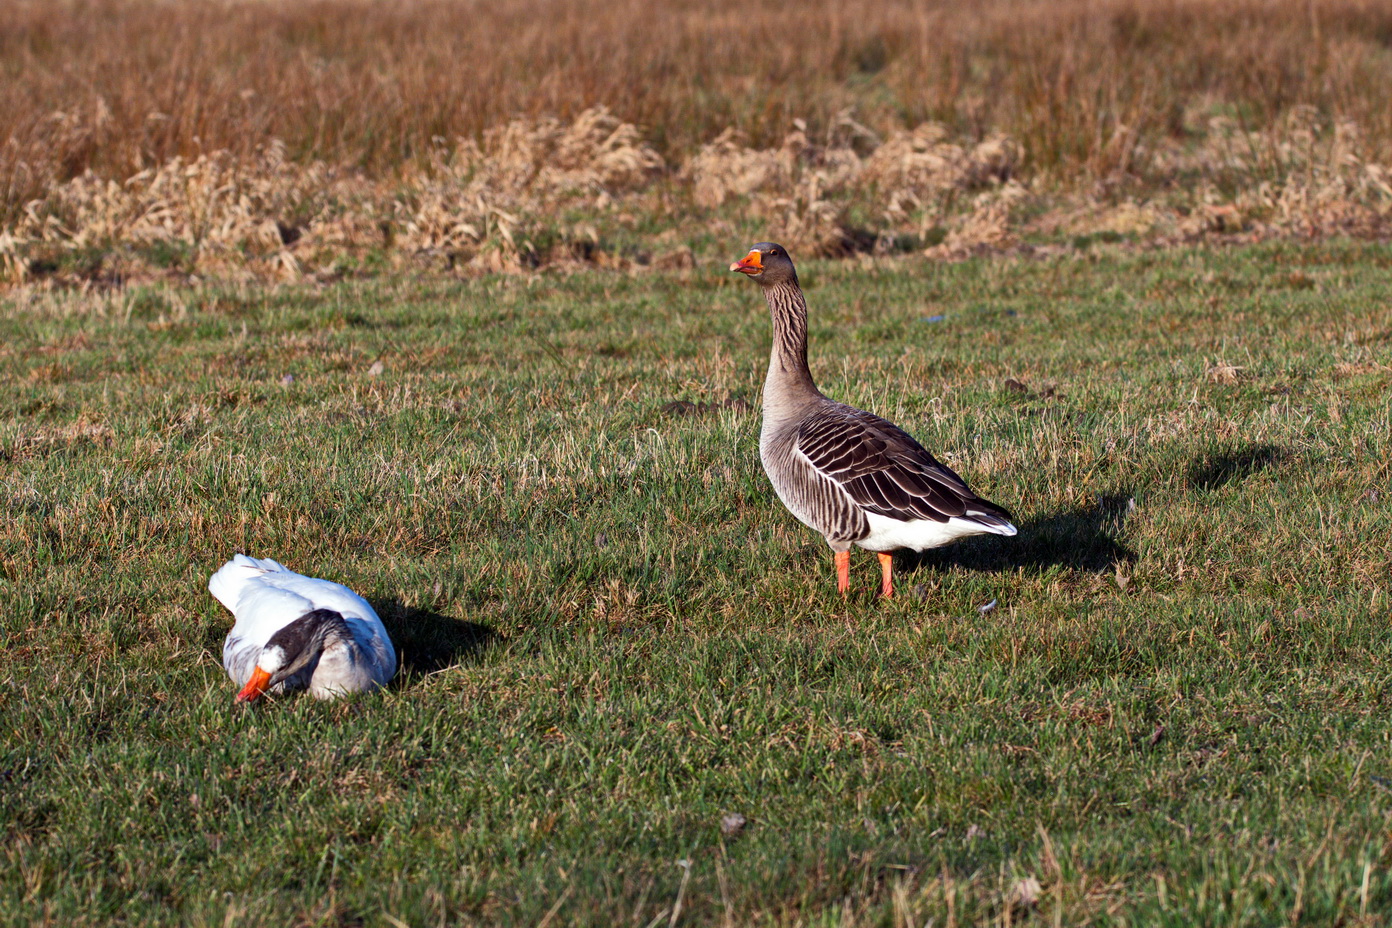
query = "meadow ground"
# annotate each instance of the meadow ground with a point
(612, 636)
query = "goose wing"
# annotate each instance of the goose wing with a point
(885, 471)
(362, 620)
(320, 594)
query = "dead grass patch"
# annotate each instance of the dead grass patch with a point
(547, 193)
(324, 139)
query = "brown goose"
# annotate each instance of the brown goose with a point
(852, 476)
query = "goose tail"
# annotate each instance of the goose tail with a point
(232, 578)
(994, 519)
(994, 524)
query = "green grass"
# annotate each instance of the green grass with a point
(612, 635)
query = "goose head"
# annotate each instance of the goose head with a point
(767, 263)
(294, 647)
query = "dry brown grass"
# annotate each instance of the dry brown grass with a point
(264, 137)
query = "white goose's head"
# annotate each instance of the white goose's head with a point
(292, 648)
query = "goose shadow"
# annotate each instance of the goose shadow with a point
(1078, 537)
(427, 642)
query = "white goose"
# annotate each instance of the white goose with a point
(294, 631)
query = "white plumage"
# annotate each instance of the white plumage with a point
(888, 534)
(294, 631)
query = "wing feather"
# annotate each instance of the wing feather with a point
(885, 470)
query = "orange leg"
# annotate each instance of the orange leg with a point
(843, 571)
(886, 574)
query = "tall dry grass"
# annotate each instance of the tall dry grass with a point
(118, 85)
(853, 121)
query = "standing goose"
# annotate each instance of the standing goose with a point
(851, 475)
(294, 631)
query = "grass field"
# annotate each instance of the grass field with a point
(612, 636)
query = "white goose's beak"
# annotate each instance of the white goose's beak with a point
(258, 684)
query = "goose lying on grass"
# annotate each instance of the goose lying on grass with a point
(851, 475)
(294, 631)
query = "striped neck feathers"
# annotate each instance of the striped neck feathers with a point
(788, 372)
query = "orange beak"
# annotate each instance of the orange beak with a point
(751, 264)
(256, 686)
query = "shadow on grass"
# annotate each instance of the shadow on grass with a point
(1213, 471)
(1078, 538)
(427, 641)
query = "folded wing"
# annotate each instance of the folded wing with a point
(886, 472)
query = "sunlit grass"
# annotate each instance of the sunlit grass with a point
(612, 635)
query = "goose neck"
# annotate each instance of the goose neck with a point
(788, 376)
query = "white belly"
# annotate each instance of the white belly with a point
(888, 534)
